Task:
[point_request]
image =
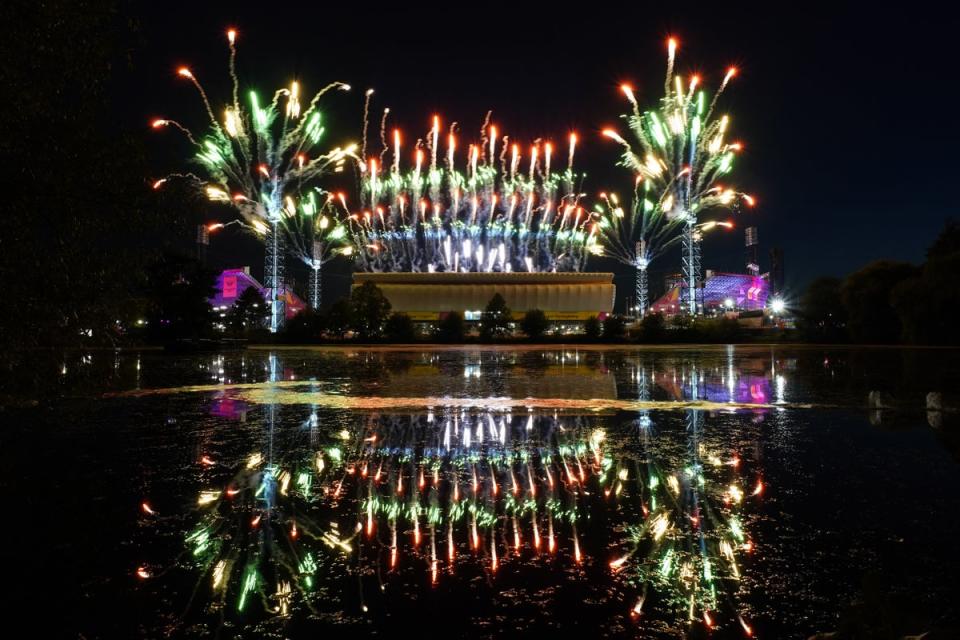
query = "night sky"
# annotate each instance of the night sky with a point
(846, 114)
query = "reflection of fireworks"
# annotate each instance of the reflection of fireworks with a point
(479, 487)
(248, 540)
(489, 486)
(459, 490)
(686, 548)
(501, 212)
(262, 163)
(688, 545)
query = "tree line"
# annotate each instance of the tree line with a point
(889, 302)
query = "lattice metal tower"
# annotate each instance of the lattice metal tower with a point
(273, 276)
(643, 298)
(315, 288)
(691, 291)
(643, 301)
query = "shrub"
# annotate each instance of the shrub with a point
(400, 328)
(534, 324)
(653, 328)
(451, 328)
(591, 328)
(306, 326)
(614, 328)
(340, 317)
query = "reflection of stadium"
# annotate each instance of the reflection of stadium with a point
(554, 381)
(562, 296)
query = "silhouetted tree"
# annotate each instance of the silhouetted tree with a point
(866, 297)
(591, 328)
(534, 324)
(451, 328)
(822, 317)
(652, 328)
(495, 321)
(305, 327)
(178, 290)
(340, 317)
(248, 313)
(613, 327)
(400, 328)
(929, 303)
(75, 210)
(370, 310)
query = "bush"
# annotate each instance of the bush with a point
(822, 316)
(866, 295)
(340, 317)
(400, 328)
(614, 328)
(534, 324)
(451, 328)
(307, 326)
(717, 330)
(653, 328)
(591, 328)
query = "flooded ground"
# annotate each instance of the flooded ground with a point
(478, 492)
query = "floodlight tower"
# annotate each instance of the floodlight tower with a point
(753, 251)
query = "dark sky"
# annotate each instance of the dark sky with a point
(846, 113)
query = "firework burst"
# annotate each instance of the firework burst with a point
(263, 159)
(680, 155)
(484, 208)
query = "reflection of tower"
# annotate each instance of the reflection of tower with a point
(273, 276)
(753, 249)
(203, 239)
(776, 271)
(643, 391)
(692, 293)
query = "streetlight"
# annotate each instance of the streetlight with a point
(777, 306)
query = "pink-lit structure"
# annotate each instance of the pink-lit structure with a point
(721, 291)
(231, 284)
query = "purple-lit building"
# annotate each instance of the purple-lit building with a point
(721, 291)
(233, 282)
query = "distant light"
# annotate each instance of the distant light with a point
(728, 303)
(777, 306)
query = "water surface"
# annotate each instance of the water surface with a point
(476, 492)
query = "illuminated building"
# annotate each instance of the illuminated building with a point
(721, 291)
(231, 284)
(561, 296)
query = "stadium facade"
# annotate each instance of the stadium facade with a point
(721, 292)
(426, 297)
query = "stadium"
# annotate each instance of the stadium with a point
(426, 297)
